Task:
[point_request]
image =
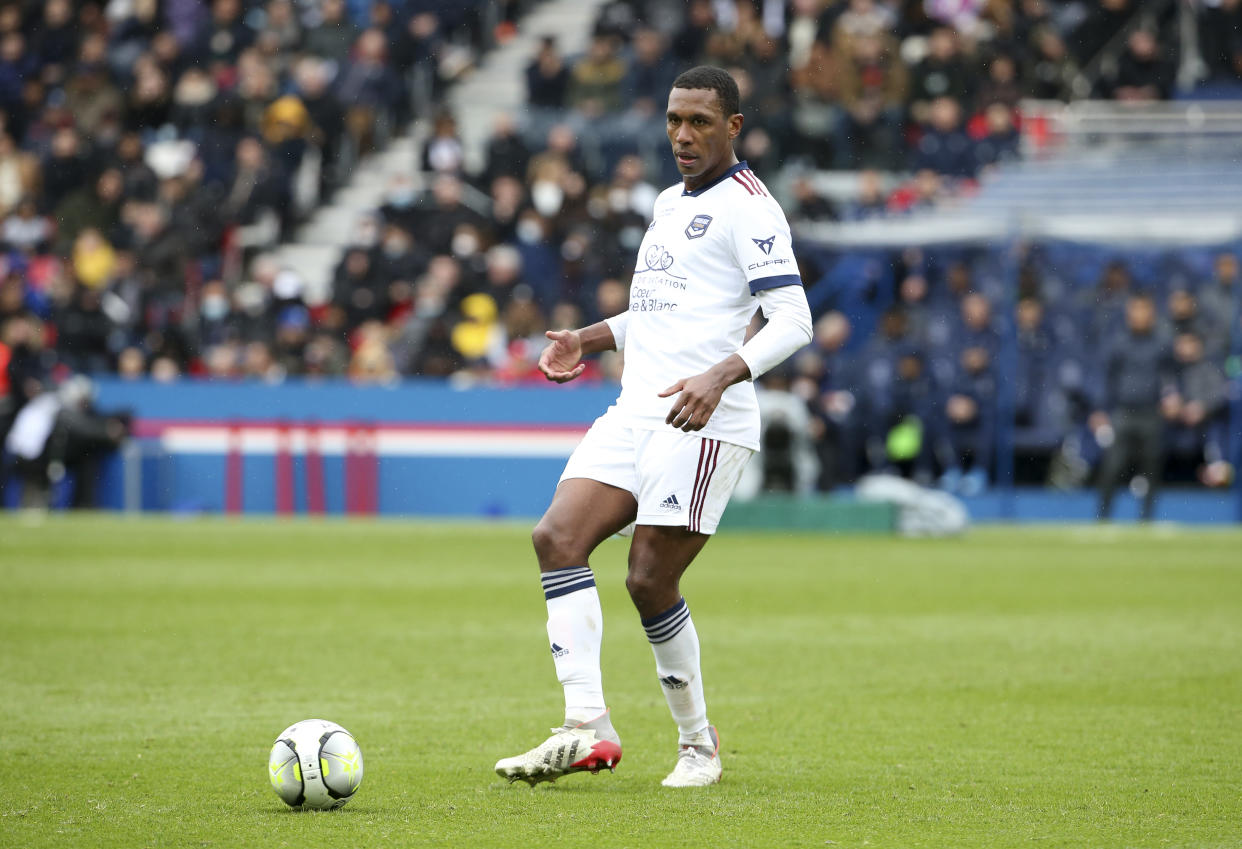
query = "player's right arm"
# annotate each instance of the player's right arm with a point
(561, 361)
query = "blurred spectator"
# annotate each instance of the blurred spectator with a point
(1103, 21)
(371, 88)
(650, 73)
(1220, 40)
(1101, 312)
(1000, 139)
(1042, 414)
(690, 41)
(836, 402)
(811, 206)
(443, 152)
(1185, 317)
(19, 174)
(58, 434)
(24, 229)
(94, 206)
(942, 73)
(1001, 85)
(92, 98)
(815, 90)
(1195, 412)
(507, 153)
(1050, 67)
(596, 81)
(1142, 74)
(334, 36)
(1219, 296)
(225, 37)
(873, 88)
(861, 18)
(870, 199)
(1138, 393)
(547, 77)
(281, 32)
(66, 167)
(945, 148)
(970, 407)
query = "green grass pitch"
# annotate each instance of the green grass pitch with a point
(1075, 687)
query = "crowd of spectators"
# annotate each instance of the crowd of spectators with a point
(151, 149)
(1118, 377)
(151, 152)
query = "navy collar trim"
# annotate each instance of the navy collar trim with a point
(741, 166)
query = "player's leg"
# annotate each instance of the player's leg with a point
(686, 482)
(583, 514)
(592, 502)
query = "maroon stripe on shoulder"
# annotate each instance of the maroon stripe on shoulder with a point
(743, 183)
(754, 181)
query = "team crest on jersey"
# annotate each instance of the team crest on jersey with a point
(698, 226)
(765, 245)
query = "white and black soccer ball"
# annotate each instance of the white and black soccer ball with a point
(315, 765)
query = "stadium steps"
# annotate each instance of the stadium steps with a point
(497, 85)
(319, 243)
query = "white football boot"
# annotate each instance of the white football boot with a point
(586, 747)
(698, 764)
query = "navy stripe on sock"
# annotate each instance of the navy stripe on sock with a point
(561, 582)
(665, 626)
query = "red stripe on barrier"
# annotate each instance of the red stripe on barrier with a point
(361, 471)
(370, 472)
(314, 472)
(284, 471)
(234, 471)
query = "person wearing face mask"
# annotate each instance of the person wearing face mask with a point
(400, 258)
(398, 207)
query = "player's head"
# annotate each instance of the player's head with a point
(703, 120)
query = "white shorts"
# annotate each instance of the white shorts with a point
(677, 478)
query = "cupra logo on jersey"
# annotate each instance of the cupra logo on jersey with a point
(698, 226)
(765, 245)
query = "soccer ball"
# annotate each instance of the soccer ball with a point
(315, 765)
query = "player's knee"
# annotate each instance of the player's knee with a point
(639, 586)
(646, 590)
(555, 547)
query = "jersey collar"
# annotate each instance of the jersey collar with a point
(741, 166)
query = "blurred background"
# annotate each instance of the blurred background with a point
(299, 255)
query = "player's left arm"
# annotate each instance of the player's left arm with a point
(763, 251)
(788, 330)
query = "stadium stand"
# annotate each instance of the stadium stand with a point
(259, 190)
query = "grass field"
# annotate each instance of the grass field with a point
(1077, 687)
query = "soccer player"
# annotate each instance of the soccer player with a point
(666, 456)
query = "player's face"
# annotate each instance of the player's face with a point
(701, 134)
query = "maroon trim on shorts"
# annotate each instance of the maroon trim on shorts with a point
(709, 455)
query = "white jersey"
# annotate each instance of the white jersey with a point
(705, 255)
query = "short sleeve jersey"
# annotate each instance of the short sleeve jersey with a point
(703, 259)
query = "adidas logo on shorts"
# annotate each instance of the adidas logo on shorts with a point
(671, 504)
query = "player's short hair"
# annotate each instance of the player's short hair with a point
(716, 79)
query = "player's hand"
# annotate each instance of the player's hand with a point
(560, 361)
(697, 398)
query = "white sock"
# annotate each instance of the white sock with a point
(675, 644)
(575, 632)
